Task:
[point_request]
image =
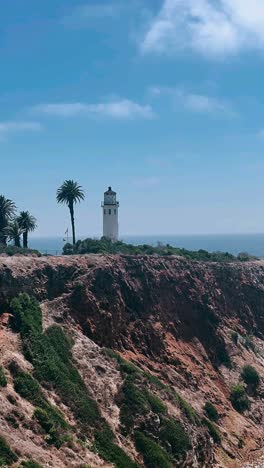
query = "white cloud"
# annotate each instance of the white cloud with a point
(194, 102)
(123, 109)
(83, 13)
(214, 28)
(12, 126)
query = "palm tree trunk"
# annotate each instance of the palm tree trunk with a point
(17, 242)
(25, 239)
(3, 239)
(73, 224)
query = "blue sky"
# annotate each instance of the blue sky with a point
(162, 99)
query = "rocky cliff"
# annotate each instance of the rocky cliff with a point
(187, 327)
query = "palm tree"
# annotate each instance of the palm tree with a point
(28, 223)
(70, 193)
(13, 232)
(7, 211)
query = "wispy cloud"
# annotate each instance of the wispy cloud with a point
(214, 29)
(10, 127)
(194, 102)
(260, 133)
(146, 182)
(122, 109)
(81, 14)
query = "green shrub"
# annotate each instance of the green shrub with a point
(110, 452)
(152, 379)
(211, 411)
(128, 368)
(105, 246)
(135, 403)
(241, 443)
(173, 434)
(239, 398)
(222, 356)
(11, 250)
(30, 464)
(50, 419)
(3, 381)
(250, 376)
(249, 343)
(27, 318)
(7, 456)
(50, 354)
(28, 387)
(156, 405)
(188, 410)
(212, 431)
(234, 337)
(54, 434)
(154, 456)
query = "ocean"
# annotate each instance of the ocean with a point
(233, 243)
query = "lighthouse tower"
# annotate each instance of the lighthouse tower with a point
(110, 215)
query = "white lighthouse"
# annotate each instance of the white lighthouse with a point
(110, 215)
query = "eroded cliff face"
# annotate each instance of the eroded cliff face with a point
(192, 325)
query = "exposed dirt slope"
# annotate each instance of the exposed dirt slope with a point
(193, 325)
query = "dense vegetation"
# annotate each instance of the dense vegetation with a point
(49, 418)
(7, 456)
(50, 355)
(11, 250)
(30, 464)
(167, 442)
(153, 454)
(105, 246)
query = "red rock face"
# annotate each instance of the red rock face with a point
(173, 317)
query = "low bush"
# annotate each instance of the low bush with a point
(7, 456)
(11, 250)
(3, 381)
(222, 356)
(211, 411)
(214, 433)
(28, 387)
(154, 456)
(135, 403)
(27, 318)
(249, 343)
(49, 418)
(156, 405)
(234, 337)
(188, 410)
(105, 246)
(239, 399)
(30, 464)
(54, 435)
(173, 435)
(110, 452)
(250, 376)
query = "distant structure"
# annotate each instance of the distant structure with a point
(110, 215)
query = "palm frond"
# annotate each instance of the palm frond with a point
(70, 192)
